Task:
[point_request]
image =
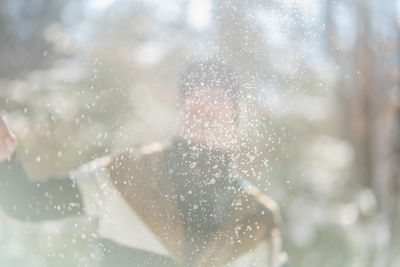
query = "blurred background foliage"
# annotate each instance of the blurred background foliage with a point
(320, 109)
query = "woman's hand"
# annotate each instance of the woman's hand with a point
(8, 142)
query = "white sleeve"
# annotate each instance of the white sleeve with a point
(90, 182)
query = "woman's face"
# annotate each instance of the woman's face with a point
(209, 116)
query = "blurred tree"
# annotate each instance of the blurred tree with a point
(23, 45)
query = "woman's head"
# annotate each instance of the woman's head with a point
(209, 104)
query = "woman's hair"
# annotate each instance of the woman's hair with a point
(210, 74)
